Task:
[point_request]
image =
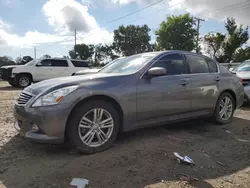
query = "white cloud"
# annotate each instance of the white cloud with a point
(214, 9)
(64, 16)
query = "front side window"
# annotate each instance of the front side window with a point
(173, 63)
(197, 64)
(127, 65)
(59, 63)
(44, 63)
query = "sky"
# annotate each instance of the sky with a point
(49, 25)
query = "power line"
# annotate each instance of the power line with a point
(139, 10)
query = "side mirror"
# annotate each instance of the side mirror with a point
(231, 69)
(157, 71)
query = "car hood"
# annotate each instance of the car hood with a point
(11, 66)
(82, 80)
(243, 75)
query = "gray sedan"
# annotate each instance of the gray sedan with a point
(142, 90)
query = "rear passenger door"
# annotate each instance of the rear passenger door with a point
(204, 83)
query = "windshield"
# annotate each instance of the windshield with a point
(31, 63)
(243, 67)
(127, 65)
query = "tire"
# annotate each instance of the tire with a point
(216, 116)
(74, 132)
(23, 80)
(12, 84)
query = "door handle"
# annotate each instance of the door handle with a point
(217, 78)
(184, 82)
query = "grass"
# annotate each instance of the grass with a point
(4, 84)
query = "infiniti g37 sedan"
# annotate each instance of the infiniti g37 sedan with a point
(142, 90)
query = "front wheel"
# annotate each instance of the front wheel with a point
(23, 80)
(94, 126)
(224, 109)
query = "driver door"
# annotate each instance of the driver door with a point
(165, 97)
(43, 70)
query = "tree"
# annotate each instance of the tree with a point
(103, 53)
(242, 54)
(227, 48)
(237, 36)
(214, 43)
(46, 56)
(131, 39)
(5, 60)
(82, 51)
(177, 33)
(23, 60)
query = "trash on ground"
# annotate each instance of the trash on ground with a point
(185, 159)
(79, 182)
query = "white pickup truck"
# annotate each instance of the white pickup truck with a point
(41, 69)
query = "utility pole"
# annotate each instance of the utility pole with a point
(198, 32)
(34, 52)
(75, 43)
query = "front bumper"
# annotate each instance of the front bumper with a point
(50, 120)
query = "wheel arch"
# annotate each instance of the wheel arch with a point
(106, 98)
(26, 73)
(232, 93)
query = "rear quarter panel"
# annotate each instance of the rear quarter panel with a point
(232, 82)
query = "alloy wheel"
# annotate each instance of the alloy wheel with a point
(226, 108)
(96, 127)
(24, 81)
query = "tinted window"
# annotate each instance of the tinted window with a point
(80, 63)
(173, 63)
(212, 66)
(45, 63)
(59, 63)
(197, 64)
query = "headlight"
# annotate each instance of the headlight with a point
(54, 97)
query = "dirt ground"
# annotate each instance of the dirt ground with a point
(142, 158)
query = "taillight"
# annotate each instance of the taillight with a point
(241, 80)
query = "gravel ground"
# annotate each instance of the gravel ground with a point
(142, 158)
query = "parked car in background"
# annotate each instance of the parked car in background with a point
(93, 70)
(133, 92)
(41, 69)
(243, 71)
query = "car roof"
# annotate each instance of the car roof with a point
(58, 58)
(176, 51)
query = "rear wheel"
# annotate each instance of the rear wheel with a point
(93, 126)
(23, 80)
(225, 108)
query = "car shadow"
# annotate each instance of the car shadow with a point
(9, 88)
(138, 158)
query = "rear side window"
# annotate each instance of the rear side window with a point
(197, 64)
(212, 66)
(173, 63)
(80, 63)
(59, 63)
